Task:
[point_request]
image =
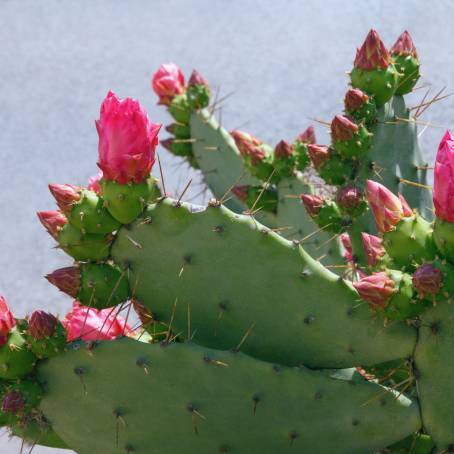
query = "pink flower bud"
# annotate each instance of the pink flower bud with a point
(248, 146)
(241, 191)
(13, 402)
(90, 324)
(197, 79)
(349, 198)
(347, 243)
(355, 98)
(405, 206)
(283, 150)
(343, 128)
(372, 54)
(373, 248)
(127, 140)
(427, 280)
(404, 46)
(319, 154)
(443, 195)
(7, 322)
(167, 82)
(42, 325)
(53, 221)
(67, 280)
(312, 203)
(387, 208)
(308, 135)
(66, 196)
(93, 183)
(377, 289)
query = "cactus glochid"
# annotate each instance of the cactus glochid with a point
(247, 341)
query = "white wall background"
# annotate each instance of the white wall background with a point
(285, 61)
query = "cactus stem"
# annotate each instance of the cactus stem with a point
(243, 339)
(413, 183)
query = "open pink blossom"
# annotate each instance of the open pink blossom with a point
(93, 183)
(168, 82)
(90, 324)
(443, 195)
(7, 322)
(127, 140)
(388, 209)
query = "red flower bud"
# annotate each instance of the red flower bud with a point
(427, 280)
(319, 154)
(312, 203)
(241, 191)
(248, 146)
(67, 280)
(377, 289)
(13, 402)
(342, 128)
(66, 196)
(308, 135)
(347, 243)
(283, 150)
(372, 54)
(354, 99)
(373, 247)
(42, 325)
(404, 46)
(197, 79)
(53, 221)
(349, 197)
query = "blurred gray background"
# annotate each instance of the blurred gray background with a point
(284, 61)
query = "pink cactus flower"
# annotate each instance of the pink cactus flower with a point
(93, 183)
(283, 150)
(443, 194)
(377, 289)
(249, 146)
(91, 324)
(308, 135)
(127, 140)
(342, 128)
(388, 209)
(318, 154)
(66, 280)
(355, 98)
(373, 248)
(7, 321)
(168, 82)
(372, 54)
(66, 195)
(53, 221)
(42, 325)
(347, 243)
(312, 203)
(404, 46)
(427, 280)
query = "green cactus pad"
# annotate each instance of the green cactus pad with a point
(408, 68)
(336, 170)
(126, 201)
(411, 242)
(381, 83)
(102, 285)
(82, 246)
(443, 235)
(434, 361)
(133, 397)
(90, 215)
(16, 360)
(37, 433)
(236, 275)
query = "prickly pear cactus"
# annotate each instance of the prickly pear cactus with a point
(246, 343)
